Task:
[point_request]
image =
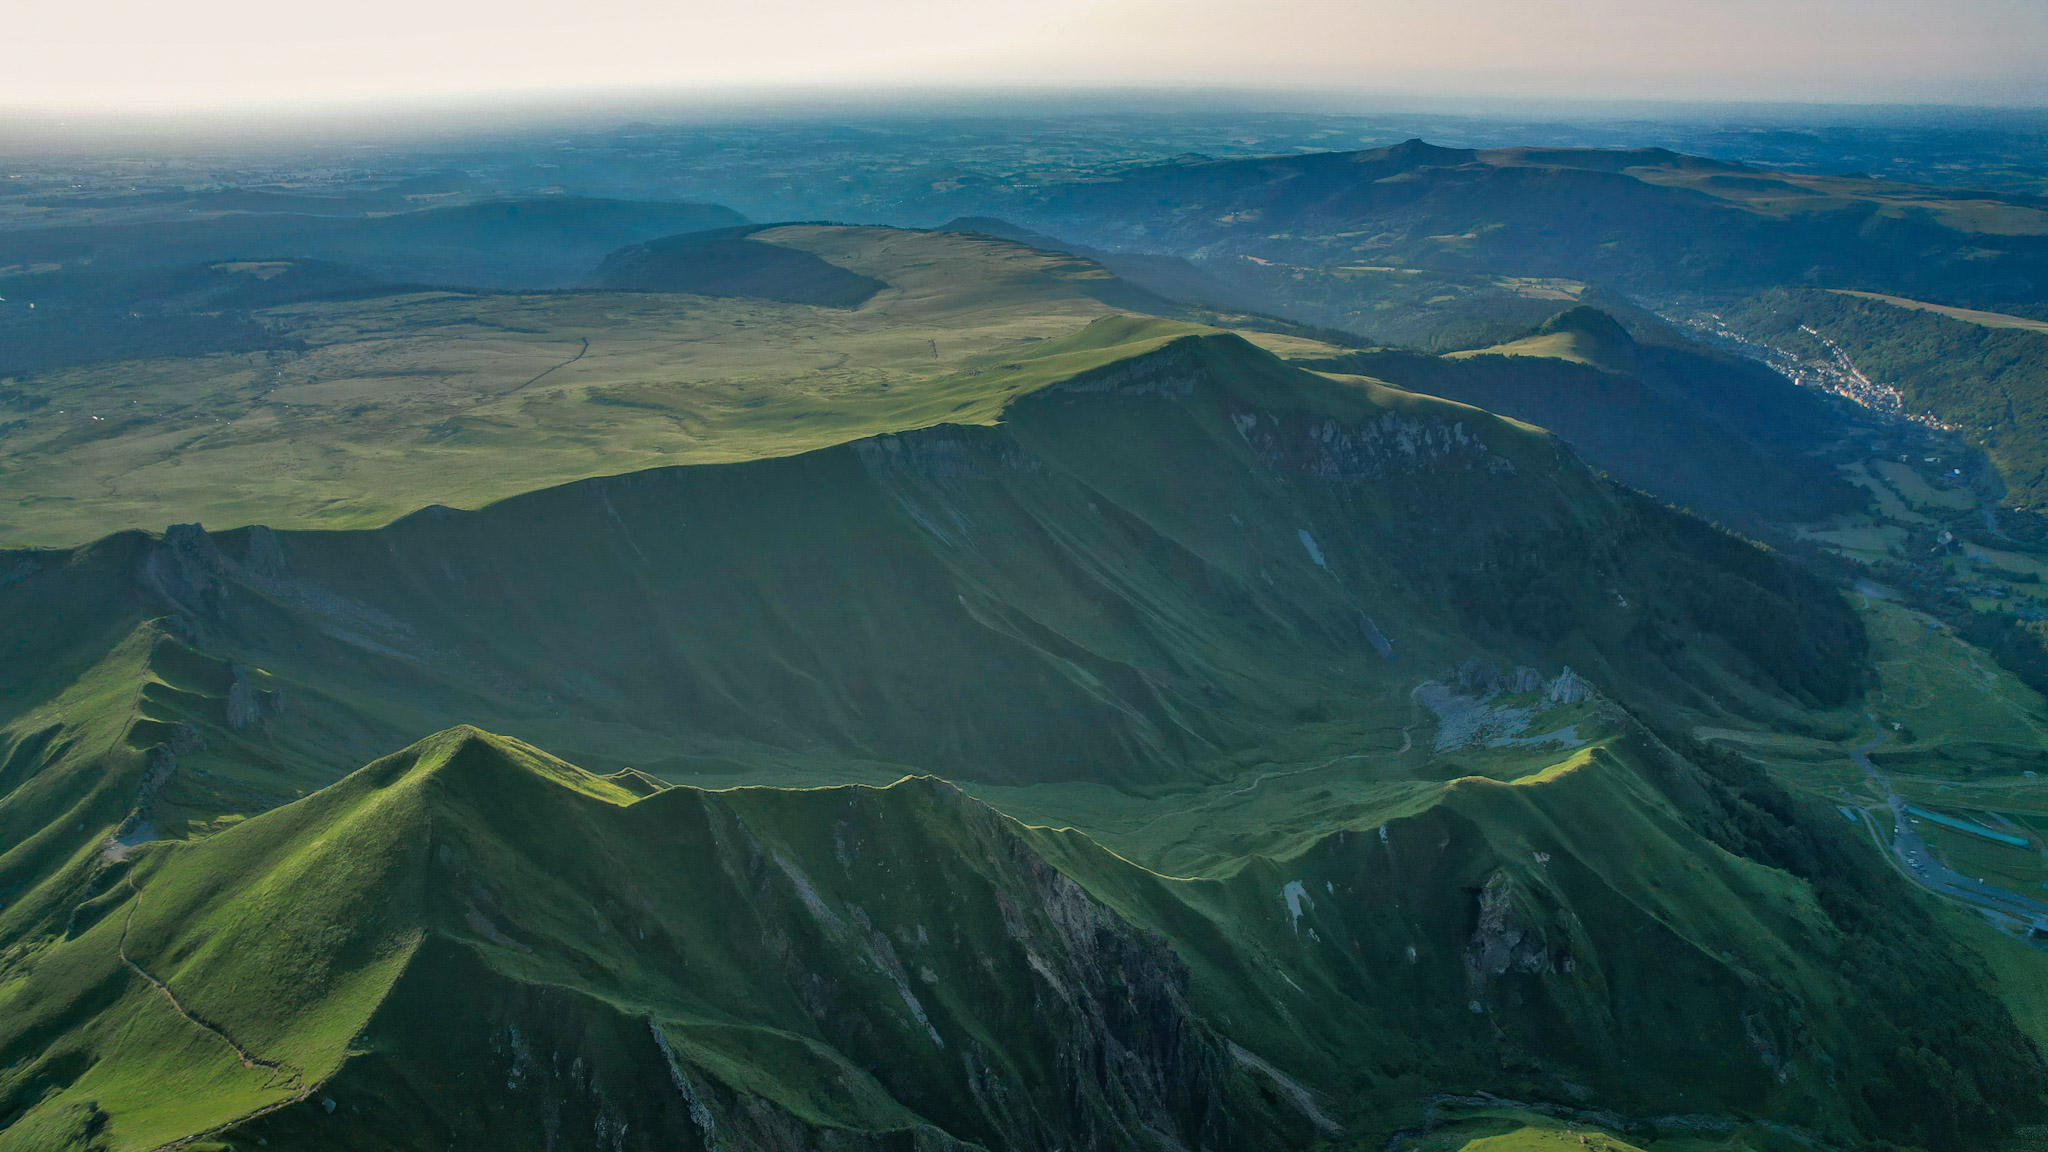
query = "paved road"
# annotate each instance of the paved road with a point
(1920, 865)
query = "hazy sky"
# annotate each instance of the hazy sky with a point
(174, 54)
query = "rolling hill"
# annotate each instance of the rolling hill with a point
(508, 244)
(1644, 220)
(358, 401)
(728, 262)
(195, 284)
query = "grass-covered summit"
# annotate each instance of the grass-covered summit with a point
(1315, 748)
(472, 940)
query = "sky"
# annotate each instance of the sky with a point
(255, 55)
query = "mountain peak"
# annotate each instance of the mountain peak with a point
(1415, 152)
(1587, 320)
(1581, 334)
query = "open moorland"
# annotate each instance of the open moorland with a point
(389, 404)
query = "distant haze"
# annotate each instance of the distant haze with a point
(147, 55)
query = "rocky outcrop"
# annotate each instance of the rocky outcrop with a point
(1390, 443)
(944, 453)
(1173, 371)
(243, 708)
(1504, 941)
(1129, 1060)
(247, 704)
(188, 573)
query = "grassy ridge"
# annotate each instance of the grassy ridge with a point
(1191, 580)
(471, 936)
(1177, 555)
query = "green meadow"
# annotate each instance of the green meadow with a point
(398, 402)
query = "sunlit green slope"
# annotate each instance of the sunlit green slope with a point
(473, 941)
(377, 406)
(1360, 711)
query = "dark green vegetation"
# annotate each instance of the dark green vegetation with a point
(1351, 303)
(1724, 436)
(197, 284)
(1170, 277)
(725, 262)
(530, 243)
(1640, 220)
(1989, 383)
(191, 311)
(1185, 577)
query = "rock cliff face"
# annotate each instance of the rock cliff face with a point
(853, 969)
(1329, 450)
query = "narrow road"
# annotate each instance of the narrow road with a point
(1918, 864)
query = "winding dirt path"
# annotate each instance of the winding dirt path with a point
(282, 1076)
(558, 367)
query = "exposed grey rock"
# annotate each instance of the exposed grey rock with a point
(1504, 941)
(159, 764)
(243, 707)
(1390, 443)
(1478, 678)
(185, 739)
(1569, 688)
(263, 553)
(187, 571)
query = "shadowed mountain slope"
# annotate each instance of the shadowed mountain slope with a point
(1644, 218)
(1169, 276)
(472, 940)
(1174, 554)
(1988, 383)
(535, 243)
(1179, 573)
(1710, 431)
(728, 262)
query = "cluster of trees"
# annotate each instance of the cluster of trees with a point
(1947, 1067)
(2017, 645)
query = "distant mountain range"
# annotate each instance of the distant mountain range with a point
(1645, 220)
